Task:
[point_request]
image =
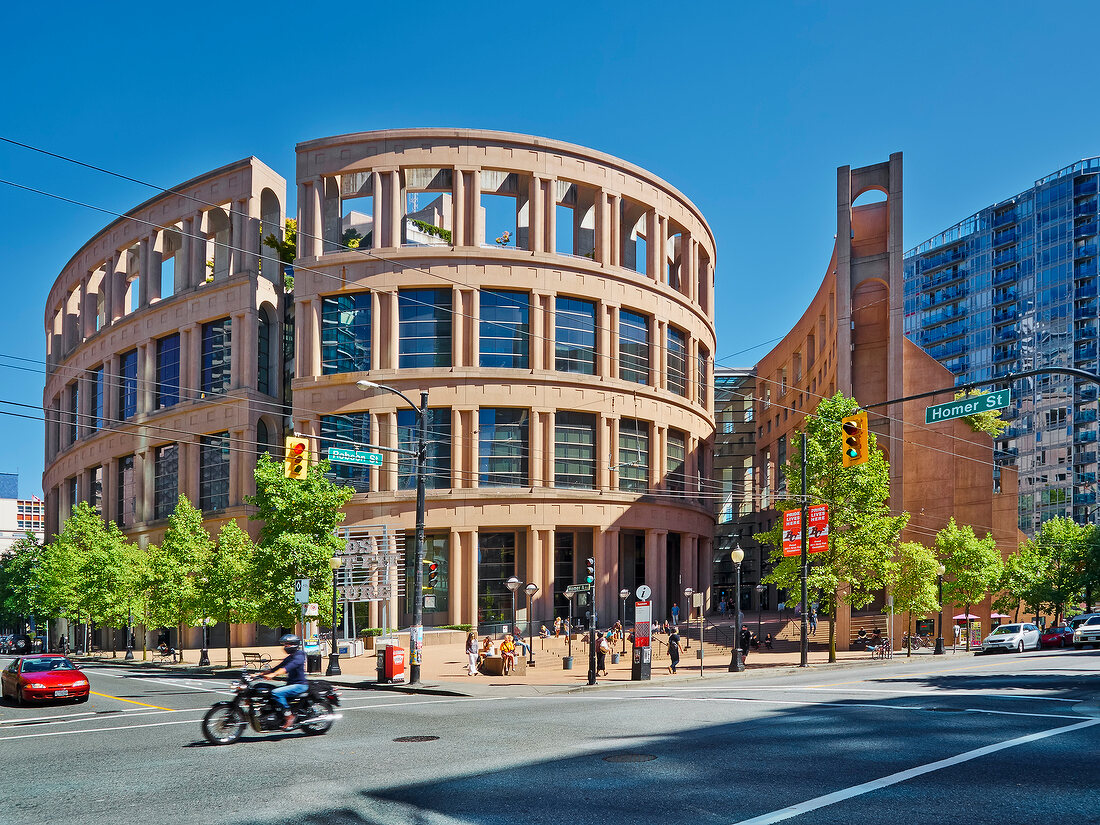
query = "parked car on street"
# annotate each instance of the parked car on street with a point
(1018, 637)
(39, 678)
(1087, 633)
(1078, 620)
(1059, 636)
(5, 644)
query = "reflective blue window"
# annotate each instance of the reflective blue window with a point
(214, 472)
(424, 328)
(502, 447)
(168, 371)
(345, 333)
(575, 336)
(505, 329)
(348, 432)
(633, 347)
(216, 352)
(127, 385)
(677, 361)
(437, 464)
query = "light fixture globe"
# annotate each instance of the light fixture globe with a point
(737, 554)
(531, 589)
(624, 593)
(688, 591)
(335, 563)
(940, 570)
(365, 385)
(513, 584)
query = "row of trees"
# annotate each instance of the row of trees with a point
(91, 574)
(865, 554)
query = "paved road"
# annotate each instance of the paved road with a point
(1004, 740)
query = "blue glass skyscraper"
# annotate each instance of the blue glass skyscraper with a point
(1013, 288)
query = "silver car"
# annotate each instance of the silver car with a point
(1087, 633)
(1018, 637)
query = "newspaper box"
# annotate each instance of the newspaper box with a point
(391, 664)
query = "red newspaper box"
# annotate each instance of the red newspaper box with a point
(395, 663)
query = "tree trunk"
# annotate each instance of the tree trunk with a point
(228, 642)
(832, 632)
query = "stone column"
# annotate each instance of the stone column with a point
(604, 365)
(616, 234)
(662, 249)
(197, 273)
(704, 553)
(655, 571)
(656, 346)
(375, 330)
(394, 359)
(152, 289)
(689, 262)
(110, 489)
(478, 222)
(110, 287)
(687, 568)
(396, 210)
(190, 362)
(470, 554)
(147, 378)
(184, 255)
(551, 213)
(607, 570)
(458, 208)
(143, 272)
(536, 231)
(652, 246)
(456, 572)
(142, 483)
(236, 236)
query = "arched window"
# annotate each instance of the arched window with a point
(263, 353)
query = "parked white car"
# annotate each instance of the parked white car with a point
(1087, 633)
(1018, 637)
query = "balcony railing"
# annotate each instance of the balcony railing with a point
(1004, 219)
(1085, 230)
(1004, 256)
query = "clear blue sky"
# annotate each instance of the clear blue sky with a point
(746, 109)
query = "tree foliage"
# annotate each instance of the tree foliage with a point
(225, 592)
(172, 581)
(297, 539)
(914, 583)
(19, 581)
(1017, 583)
(989, 422)
(287, 246)
(973, 564)
(862, 532)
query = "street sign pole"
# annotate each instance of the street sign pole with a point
(804, 643)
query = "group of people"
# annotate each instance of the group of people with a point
(871, 641)
(507, 648)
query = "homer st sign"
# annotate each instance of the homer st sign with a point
(962, 407)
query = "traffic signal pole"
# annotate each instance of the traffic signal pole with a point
(804, 569)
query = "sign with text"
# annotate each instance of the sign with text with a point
(817, 528)
(643, 615)
(577, 588)
(969, 405)
(341, 456)
(792, 532)
(301, 591)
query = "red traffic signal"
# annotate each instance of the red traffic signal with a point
(433, 573)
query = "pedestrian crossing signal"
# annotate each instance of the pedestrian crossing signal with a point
(297, 457)
(853, 434)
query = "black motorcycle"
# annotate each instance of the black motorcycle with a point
(254, 705)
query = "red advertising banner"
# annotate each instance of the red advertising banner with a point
(817, 528)
(642, 623)
(792, 532)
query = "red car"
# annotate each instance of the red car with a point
(43, 677)
(1057, 637)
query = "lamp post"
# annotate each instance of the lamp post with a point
(759, 607)
(513, 584)
(569, 633)
(333, 654)
(736, 556)
(204, 654)
(530, 590)
(939, 651)
(623, 594)
(416, 632)
(129, 633)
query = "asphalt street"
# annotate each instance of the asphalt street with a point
(1001, 739)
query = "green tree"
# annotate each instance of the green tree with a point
(297, 539)
(1017, 584)
(225, 592)
(1061, 548)
(913, 580)
(973, 565)
(19, 582)
(287, 247)
(862, 533)
(1090, 572)
(171, 583)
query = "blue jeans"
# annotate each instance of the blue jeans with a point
(283, 694)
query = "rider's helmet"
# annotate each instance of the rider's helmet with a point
(290, 642)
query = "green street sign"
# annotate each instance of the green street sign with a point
(342, 456)
(962, 407)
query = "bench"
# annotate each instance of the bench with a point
(163, 656)
(260, 661)
(494, 666)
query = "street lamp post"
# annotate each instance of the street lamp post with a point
(759, 607)
(530, 590)
(939, 651)
(736, 665)
(623, 594)
(129, 633)
(687, 595)
(204, 654)
(333, 654)
(416, 632)
(567, 662)
(513, 584)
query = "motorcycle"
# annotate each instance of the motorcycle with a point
(254, 705)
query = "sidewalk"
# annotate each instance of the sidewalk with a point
(443, 670)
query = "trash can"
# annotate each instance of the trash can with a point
(313, 663)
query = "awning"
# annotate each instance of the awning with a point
(967, 616)
(998, 616)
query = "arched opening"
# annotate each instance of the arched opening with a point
(634, 247)
(868, 196)
(217, 245)
(265, 368)
(271, 224)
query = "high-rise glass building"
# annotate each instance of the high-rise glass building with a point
(1013, 288)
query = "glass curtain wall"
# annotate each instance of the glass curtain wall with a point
(437, 463)
(633, 347)
(505, 329)
(348, 432)
(503, 447)
(575, 336)
(633, 455)
(575, 450)
(424, 328)
(345, 333)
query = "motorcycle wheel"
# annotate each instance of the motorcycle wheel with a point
(317, 707)
(223, 724)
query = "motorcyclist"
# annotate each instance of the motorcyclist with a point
(293, 667)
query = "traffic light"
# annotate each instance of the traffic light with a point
(297, 457)
(591, 571)
(433, 574)
(853, 434)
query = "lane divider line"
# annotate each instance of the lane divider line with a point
(902, 776)
(131, 701)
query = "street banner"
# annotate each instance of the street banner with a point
(792, 532)
(643, 618)
(817, 526)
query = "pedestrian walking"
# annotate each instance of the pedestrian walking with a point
(471, 653)
(673, 650)
(746, 640)
(603, 647)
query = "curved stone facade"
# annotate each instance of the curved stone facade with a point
(163, 350)
(557, 305)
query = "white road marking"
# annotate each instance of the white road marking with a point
(895, 692)
(99, 730)
(902, 776)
